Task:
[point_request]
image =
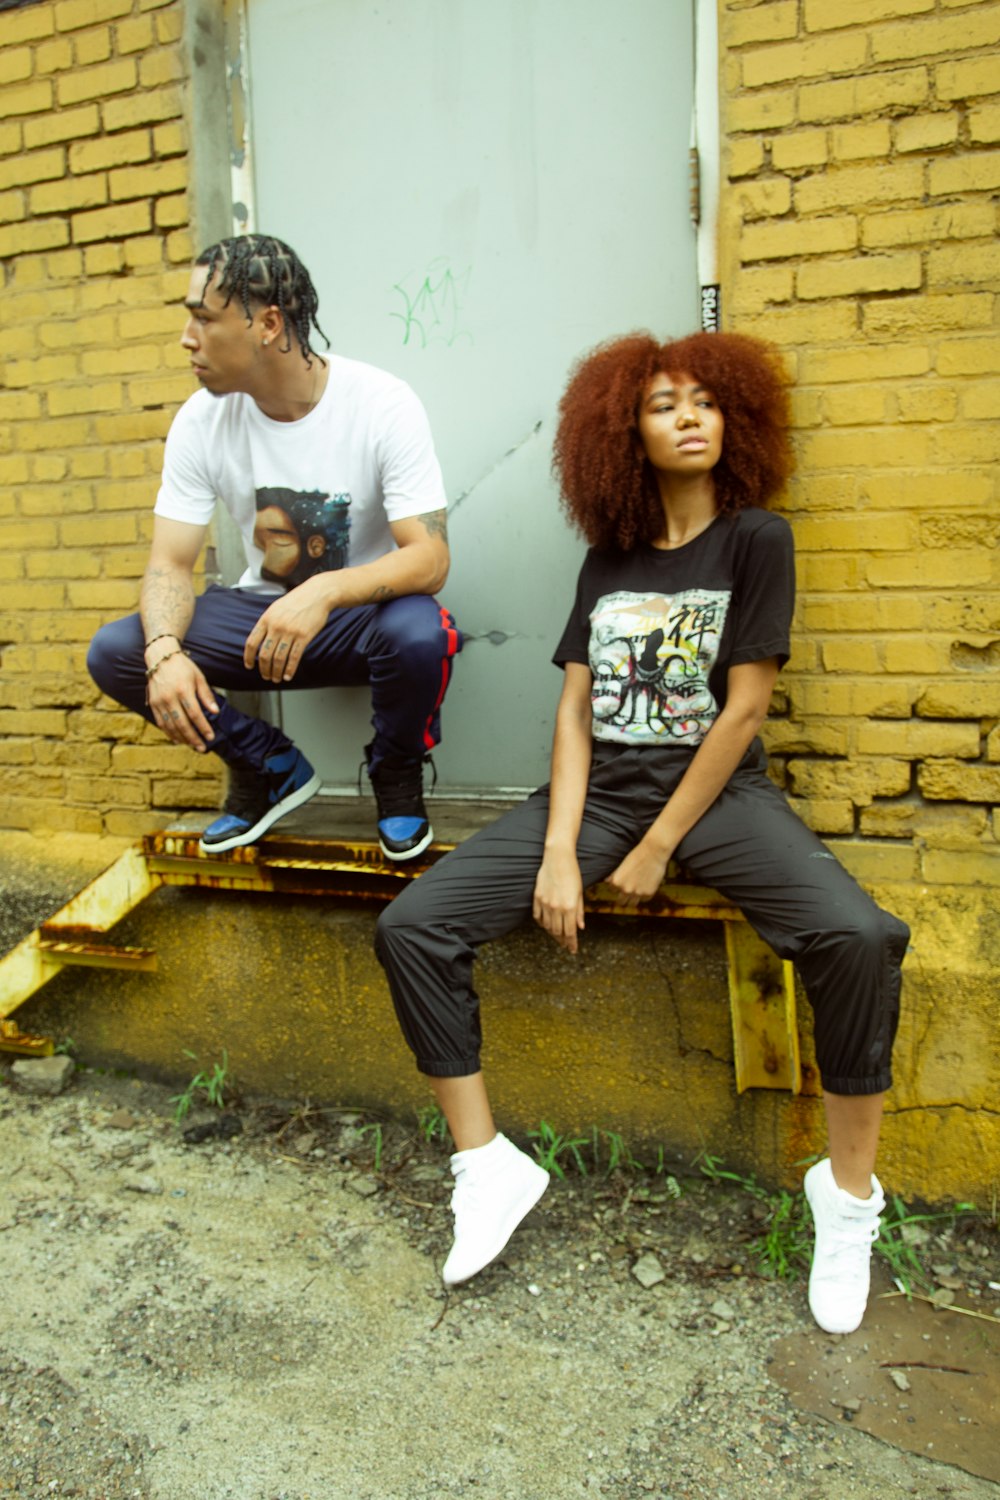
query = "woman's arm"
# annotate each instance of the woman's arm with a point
(558, 901)
(750, 685)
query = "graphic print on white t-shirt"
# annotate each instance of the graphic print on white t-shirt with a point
(650, 657)
(300, 533)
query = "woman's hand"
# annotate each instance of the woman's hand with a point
(641, 872)
(558, 899)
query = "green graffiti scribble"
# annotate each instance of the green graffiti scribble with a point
(433, 306)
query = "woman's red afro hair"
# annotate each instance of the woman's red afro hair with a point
(607, 484)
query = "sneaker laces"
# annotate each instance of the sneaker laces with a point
(849, 1238)
(247, 797)
(399, 789)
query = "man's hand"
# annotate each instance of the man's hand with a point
(641, 872)
(284, 630)
(558, 899)
(179, 694)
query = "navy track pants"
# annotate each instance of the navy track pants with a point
(404, 649)
(749, 845)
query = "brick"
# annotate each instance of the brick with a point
(953, 781)
(928, 314)
(171, 213)
(126, 563)
(11, 137)
(932, 403)
(860, 274)
(129, 147)
(117, 77)
(766, 23)
(53, 500)
(825, 815)
(981, 402)
(131, 427)
(66, 401)
(978, 27)
(771, 111)
(782, 737)
(859, 780)
(67, 333)
(105, 594)
(885, 447)
(974, 172)
(97, 531)
(131, 360)
(843, 187)
(855, 405)
(91, 463)
(801, 148)
(950, 445)
(936, 571)
(953, 221)
(12, 207)
(130, 494)
(920, 740)
(980, 868)
(964, 265)
(54, 56)
(15, 64)
(92, 46)
(808, 59)
(70, 194)
(25, 25)
(103, 260)
(851, 656)
(148, 181)
(962, 700)
(819, 323)
(874, 363)
(926, 132)
(24, 373)
(959, 530)
(764, 198)
(744, 157)
(71, 14)
(163, 65)
(969, 356)
(131, 825)
(32, 722)
(971, 78)
(160, 390)
(854, 142)
(150, 322)
(848, 98)
(26, 99)
(67, 125)
(146, 108)
(170, 139)
(852, 533)
(134, 35)
(31, 236)
(793, 237)
(984, 124)
(820, 15)
(111, 223)
(169, 27)
(48, 434)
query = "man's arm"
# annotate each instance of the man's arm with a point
(178, 692)
(419, 565)
(750, 685)
(558, 898)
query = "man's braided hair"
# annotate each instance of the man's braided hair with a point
(259, 268)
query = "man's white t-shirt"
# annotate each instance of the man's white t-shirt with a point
(363, 457)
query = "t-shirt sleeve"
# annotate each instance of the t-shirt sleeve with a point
(764, 594)
(574, 644)
(187, 492)
(410, 473)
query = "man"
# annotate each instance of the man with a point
(328, 469)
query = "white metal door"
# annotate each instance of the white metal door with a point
(482, 192)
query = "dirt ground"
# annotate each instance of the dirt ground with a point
(261, 1317)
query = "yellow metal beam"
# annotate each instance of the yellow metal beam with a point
(762, 1002)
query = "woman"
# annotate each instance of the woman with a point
(666, 456)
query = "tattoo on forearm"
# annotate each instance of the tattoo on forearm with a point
(382, 594)
(436, 523)
(166, 603)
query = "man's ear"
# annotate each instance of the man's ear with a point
(272, 325)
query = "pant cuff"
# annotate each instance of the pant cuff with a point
(878, 1084)
(459, 1068)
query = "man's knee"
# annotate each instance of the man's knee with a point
(110, 650)
(418, 629)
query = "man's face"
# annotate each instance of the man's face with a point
(224, 349)
(276, 536)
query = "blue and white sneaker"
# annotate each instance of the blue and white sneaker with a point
(255, 801)
(403, 827)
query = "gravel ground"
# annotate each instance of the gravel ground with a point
(262, 1318)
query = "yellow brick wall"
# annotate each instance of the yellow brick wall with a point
(859, 219)
(94, 248)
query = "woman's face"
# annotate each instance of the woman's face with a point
(680, 425)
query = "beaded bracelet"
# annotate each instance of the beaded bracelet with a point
(166, 635)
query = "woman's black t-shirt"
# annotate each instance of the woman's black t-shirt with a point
(659, 629)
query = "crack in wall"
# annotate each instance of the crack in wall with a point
(487, 473)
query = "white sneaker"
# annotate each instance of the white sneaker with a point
(495, 1186)
(846, 1228)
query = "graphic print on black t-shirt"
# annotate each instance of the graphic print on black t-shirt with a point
(650, 657)
(301, 533)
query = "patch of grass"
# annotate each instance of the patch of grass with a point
(375, 1131)
(617, 1155)
(784, 1248)
(901, 1236)
(432, 1124)
(549, 1146)
(210, 1086)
